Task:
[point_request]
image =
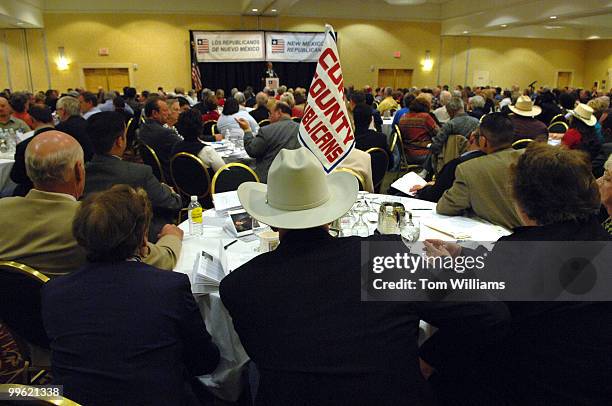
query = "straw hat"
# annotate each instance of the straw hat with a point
(524, 107)
(299, 194)
(584, 113)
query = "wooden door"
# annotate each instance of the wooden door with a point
(386, 77)
(118, 78)
(94, 79)
(403, 78)
(564, 79)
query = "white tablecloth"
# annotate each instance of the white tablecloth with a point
(226, 380)
(5, 170)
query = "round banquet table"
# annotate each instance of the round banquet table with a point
(226, 381)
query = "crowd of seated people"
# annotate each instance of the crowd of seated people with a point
(102, 226)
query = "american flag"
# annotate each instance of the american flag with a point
(278, 46)
(196, 79)
(202, 46)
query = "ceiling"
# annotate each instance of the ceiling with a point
(562, 19)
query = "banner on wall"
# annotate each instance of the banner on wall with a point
(325, 128)
(229, 46)
(294, 46)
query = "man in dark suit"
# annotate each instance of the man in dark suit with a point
(153, 133)
(107, 131)
(298, 309)
(123, 332)
(434, 191)
(281, 134)
(42, 121)
(72, 123)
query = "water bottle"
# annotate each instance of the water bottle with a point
(3, 142)
(227, 134)
(11, 141)
(195, 217)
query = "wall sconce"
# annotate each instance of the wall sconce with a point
(427, 63)
(62, 61)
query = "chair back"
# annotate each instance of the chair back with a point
(232, 175)
(209, 127)
(130, 132)
(522, 143)
(264, 123)
(296, 119)
(380, 164)
(558, 127)
(33, 398)
(20, 305)
(455, 145)
(189, 175)
(557, 118)
(149, 157)
(360, 179)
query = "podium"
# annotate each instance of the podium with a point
(271, 83)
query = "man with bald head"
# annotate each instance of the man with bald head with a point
(40, 223)
(9, 122)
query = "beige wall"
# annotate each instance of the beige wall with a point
(156, 47)
(598, 63)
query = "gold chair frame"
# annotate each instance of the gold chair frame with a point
(360, 178)
(518, 144)
(378, 149)
(16, 267)
(563, 123)
(230, 165)
(266, 121)
(156, 160)
(199, 161)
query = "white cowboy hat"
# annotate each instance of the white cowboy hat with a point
(299, 194)
(584, 113)
(524, 107)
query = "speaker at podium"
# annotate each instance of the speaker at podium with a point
(271, 83)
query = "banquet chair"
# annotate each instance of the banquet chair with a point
(149, 157)
(558, 127)
(32, 399)
(297, 119)
(209, 127)
(20, 312)
(522, 143)
(232, 175)
(380, 164)
(355, 174)
(406, 165)
(264, 123)
(190, 177)
(557, 118)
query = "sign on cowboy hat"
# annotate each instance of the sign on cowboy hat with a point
(585, 114)
(524, 107)
(298, 194)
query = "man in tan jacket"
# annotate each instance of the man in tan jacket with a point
(481, 185)
(38, 227)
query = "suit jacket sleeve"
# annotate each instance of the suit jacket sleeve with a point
(201, 355)
(444, 181)
(463, 328)
(456, 199)
(18, 171)
(255, 146)
(160, 195)
(164, 253)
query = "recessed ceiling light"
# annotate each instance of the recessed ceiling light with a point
(273, 10)
(553, 17)
(255, 10)
(504, 25)
(466, 32)
(594, 37)
(20, 23)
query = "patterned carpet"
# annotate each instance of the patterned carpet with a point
(11, 361)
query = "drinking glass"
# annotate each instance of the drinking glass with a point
(410, 231)
(360, 228)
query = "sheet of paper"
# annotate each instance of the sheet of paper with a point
(210, 269)
(226, 200)
(407, 181)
